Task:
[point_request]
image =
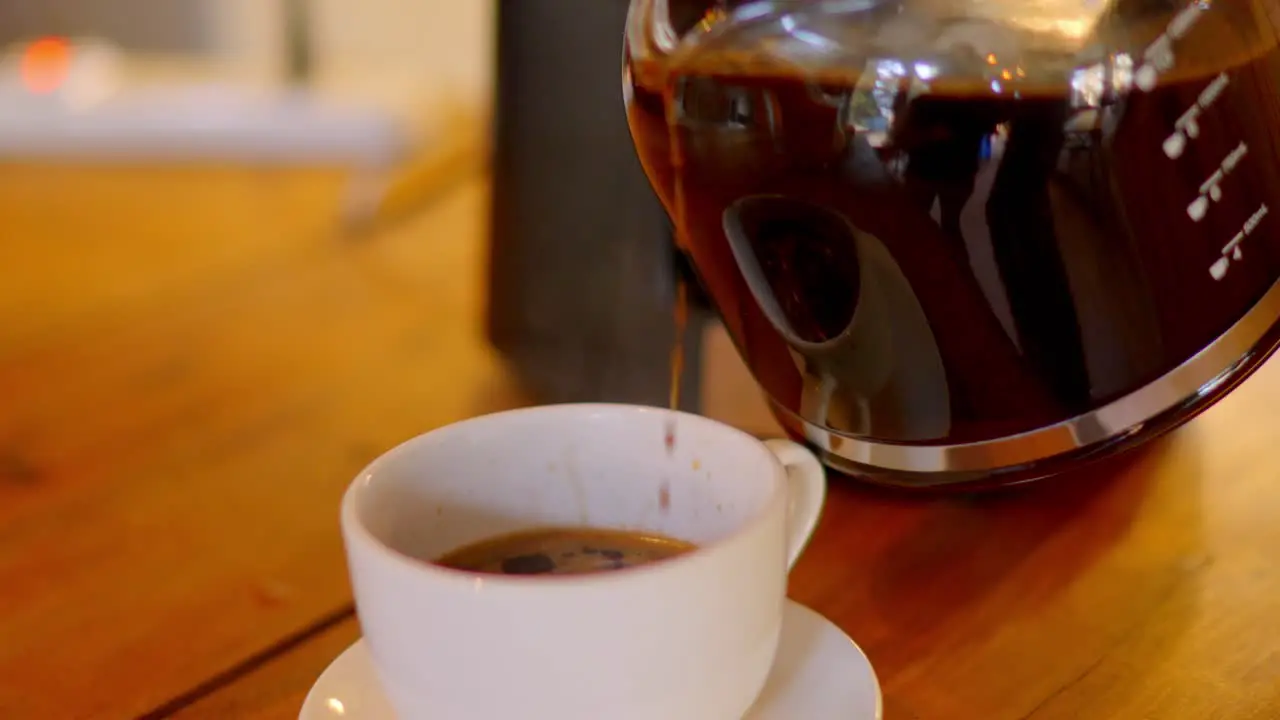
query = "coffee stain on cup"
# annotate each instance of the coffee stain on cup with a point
(664, 496)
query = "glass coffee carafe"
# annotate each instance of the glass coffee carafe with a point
(963, 241)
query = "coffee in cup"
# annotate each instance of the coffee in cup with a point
(563, 551)
(710, 517)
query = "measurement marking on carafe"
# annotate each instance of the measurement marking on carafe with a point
(1211, 189)
(1158, 58)
(1232, 251)
(1212, 90)
(1183, 21)
(1187, 127)
(1159, 55)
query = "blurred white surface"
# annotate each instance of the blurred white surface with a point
(384, 73)
(107, 108)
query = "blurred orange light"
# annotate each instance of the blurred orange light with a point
(45, 64)
(991, 59)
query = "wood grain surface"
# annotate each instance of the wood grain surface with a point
(190, 372)
(193, 365)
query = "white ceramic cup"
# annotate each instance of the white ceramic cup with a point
(689, 638)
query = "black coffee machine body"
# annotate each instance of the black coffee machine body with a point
(583, 271)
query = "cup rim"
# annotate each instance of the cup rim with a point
(355, 531)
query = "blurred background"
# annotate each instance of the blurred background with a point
(150, 148)
(297, 80)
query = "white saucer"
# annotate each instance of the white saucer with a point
(819, 674)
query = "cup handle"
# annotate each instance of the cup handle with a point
(806, 492)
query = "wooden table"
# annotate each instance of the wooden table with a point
(193, 364)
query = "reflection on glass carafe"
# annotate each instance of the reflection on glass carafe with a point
(839, 301)
(972, 240)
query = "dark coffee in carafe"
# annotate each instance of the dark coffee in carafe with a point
(913, 251)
